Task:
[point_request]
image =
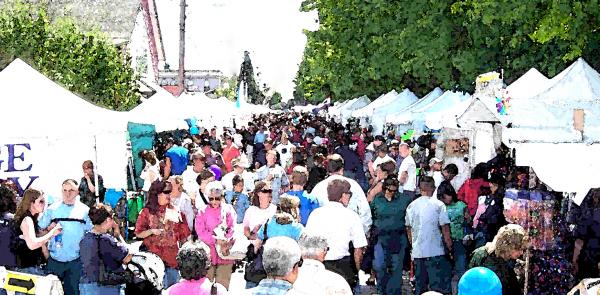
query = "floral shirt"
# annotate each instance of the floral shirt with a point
(165, 245)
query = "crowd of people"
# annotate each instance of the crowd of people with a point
(317, 202)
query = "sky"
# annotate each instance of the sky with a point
(218, 32)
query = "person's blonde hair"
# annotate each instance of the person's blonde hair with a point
(178, 179)
(287, 209)
(510, 237)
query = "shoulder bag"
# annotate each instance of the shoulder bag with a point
(254, 269)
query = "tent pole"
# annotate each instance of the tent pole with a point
(130, 164)
(96, 191)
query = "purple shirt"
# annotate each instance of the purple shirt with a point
(196, 287)
(111, 250)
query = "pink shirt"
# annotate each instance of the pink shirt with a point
(196, 287)
(207, 220)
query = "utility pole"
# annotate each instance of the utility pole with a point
(181, 72)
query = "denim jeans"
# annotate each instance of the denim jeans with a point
(171, 277)
(388, 268)
(68, 272)
(96, 289)
(433, 274)
(460, 258)
(250, 285)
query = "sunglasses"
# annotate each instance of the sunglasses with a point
(267, 191)
(392, 190)
(300, 262)
(349, 194)
(167, 192)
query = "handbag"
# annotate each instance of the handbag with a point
(255, 271)
(110, 277)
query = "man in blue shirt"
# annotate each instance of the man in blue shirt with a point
(308, 203)
(72, 215)
(176, 159)
(260, 135)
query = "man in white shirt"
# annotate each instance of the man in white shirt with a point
(340, 226)
(435, 171)
(239, 168)
(407, 174)
(382, 156)
(313, 278)
(285, 150)
(358, 202)
(426, 223)
(191, 173)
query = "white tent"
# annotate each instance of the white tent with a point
(367, 111)
(159, 110)
(405, 116)
(47, 132)
(543, 134)
(346, 110)
(399, 102)
(335, 110)
(528, 85)
(548, 116)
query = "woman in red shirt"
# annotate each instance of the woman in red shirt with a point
(470, 191)
(163, 228)
(230, 152)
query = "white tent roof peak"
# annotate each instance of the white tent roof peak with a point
(578, 84)
(528, 85)
(23, 86)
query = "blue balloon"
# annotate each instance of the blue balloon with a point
(479, 281)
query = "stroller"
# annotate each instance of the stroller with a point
(149, 271)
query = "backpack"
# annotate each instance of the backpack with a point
(8, 235)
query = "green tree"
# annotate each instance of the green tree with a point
(86, 63)
(228, 88)
(370, 47)
(275, 99)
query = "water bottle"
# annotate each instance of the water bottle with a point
(58, 241)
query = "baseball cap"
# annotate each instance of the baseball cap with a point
(434, 160)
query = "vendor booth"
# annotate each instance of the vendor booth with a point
(48, 132)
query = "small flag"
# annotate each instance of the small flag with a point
(238, 101)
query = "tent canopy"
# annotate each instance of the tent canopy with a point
(399, 102)
(52, 131)
(367, 111)
(37, 106)
(548, 116)
(347, 109)
(528, 85)
(404, 116)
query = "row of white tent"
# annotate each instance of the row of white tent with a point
(538, 123)
(405, 110)
(46, 132)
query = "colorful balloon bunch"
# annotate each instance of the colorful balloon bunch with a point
(502, 103)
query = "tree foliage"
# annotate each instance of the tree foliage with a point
(228, 88)
(86, 63)
(372, 46)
